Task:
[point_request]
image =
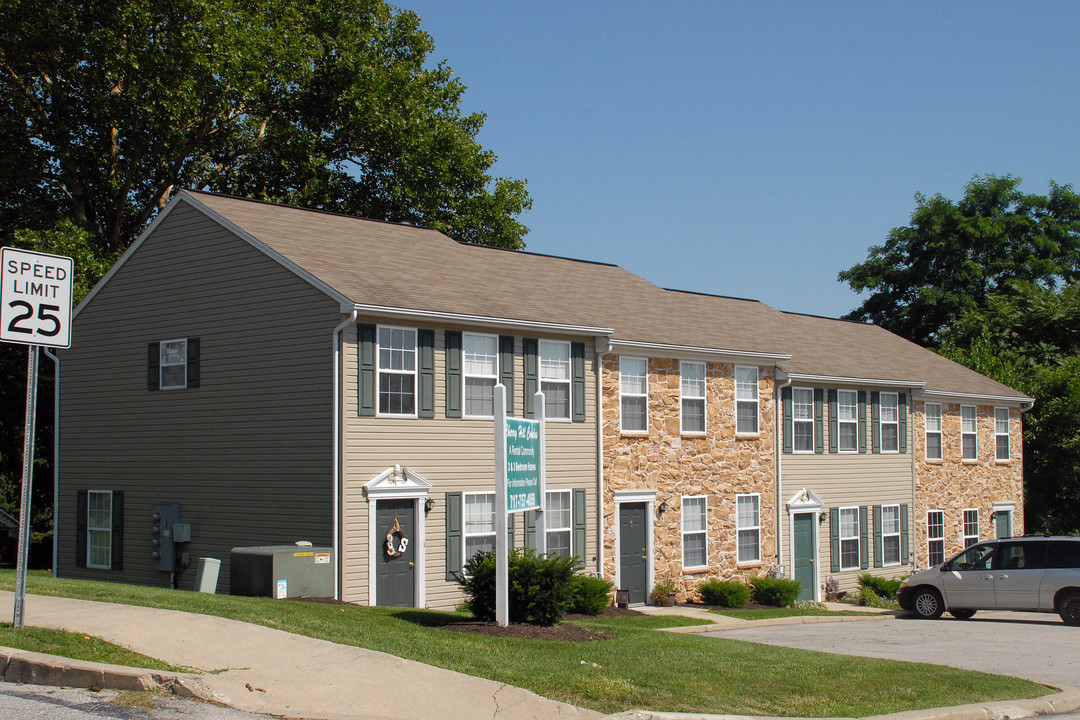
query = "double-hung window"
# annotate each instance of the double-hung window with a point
(99, 529)
(557, 523)
(849, 538)
(746, 400)
(847, 420)
(481, 371)
(173, 365)
(555, 378)
(890, 534)
(1001, 433)
(397, 371)
(968, 432)
(935, 537)
(933, 431)
(695, 532)
(971, 527)
(479, 523)
(692, 391)
(889, 422)
(802, 416)
(748, 528)
(634, 394)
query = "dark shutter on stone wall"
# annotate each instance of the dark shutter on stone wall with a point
(875, 422)
(365, 382)
(454, 536)
(118, 531)
(834, 422)
(425, 347)
(530, 348)
(80, 528)
(878, 544)
(819, 424)
(153, 357)
(864, 539)
(901, 410)
(578, 542)
(789, 425)
(905, 551)
(862, 421)
(193, 362)
(834, 538)
(577, 383)
(506, 370)
(453, 373)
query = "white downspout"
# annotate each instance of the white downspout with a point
(914, 481)
(778, 451)
(56, 456)
(603, 345)
(337, 469)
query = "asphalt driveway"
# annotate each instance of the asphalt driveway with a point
(1035, 646)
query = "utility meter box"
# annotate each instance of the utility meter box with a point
(282, 571)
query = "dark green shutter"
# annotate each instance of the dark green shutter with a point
(425, 348)
(454, 536)
(365, 387)
(577, 383)
(864, 537)
(901, 410)
(80, 527)
(878, 545)
(577, 545)
(453, 373)
(193, 362)
(530, 348)
(862, 421)
(117, 531)
(905, 551)
(834, 423)
(875, 408)
(510, 530)
(153, 357)
(530, 529)
(789, 424)
(819, 424)
(834, 537)
(506, 370)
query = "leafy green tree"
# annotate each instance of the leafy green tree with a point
(115, 105)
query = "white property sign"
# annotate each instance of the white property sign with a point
(35, 298)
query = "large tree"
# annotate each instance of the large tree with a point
(114, 105)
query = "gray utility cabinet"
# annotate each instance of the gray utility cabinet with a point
(282, 571)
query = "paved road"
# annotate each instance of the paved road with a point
(1035, 646)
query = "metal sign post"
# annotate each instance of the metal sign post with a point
(27, 482)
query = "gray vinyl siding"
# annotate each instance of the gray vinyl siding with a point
(248, 453)
(454, 455)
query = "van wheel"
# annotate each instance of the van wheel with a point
(962, 614)
(926, 603)
(1068, 608)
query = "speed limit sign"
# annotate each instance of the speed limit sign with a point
(35, 298)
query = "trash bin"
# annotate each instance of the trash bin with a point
(206, 576)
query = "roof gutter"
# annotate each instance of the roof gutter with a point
(668, 350)
(479, 320)
(337, 470)
(975, 397)
(845, 380)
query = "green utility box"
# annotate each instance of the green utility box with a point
(282, 571)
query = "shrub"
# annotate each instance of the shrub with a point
(725, 593)
(882, 587)
(589, 595)
(780, 592)
(539, 591)
(868, 597)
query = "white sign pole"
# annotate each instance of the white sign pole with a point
(27, 482)
(502, 560)
(541, 524)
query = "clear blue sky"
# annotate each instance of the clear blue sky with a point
(756, 149)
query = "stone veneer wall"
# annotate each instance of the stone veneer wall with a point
(953, 485)
(717, 464)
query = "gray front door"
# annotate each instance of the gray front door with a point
(1003, 524)
(804, 554)
(633, 551)
(395, 574)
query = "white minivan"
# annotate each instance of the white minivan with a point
(1040, 574)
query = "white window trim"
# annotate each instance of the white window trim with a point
(938, 432)
(895, 423)
(683, 396)
(684, 532)
(935, 538)
(754, 528)
(841, 423)
(90, 529)
(624, 394)
(379, 370)
(857, 538)
(162, 365)
(974, 432)
(569, 529)
(998, 434)
(465, 534)
(755, 401)
(964, 537)
(795, 422)
(466, 375)
(568, 382)
(897, 535)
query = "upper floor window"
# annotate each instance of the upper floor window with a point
(850, 551)
(1001, 433)
(481, 372)
(173, 364)
(557, 523)
(889, 422)
(802, 416)
(933, 431)
(748, 527)
(935, 537)
(847, 420)
(634, 394)
(692, 391)
(746, 400)
(694, 532)
(890, 535)
(968, 436)
(971, 527)
(397, 371)
(555, 378)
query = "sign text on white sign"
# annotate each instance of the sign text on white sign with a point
(35, 298)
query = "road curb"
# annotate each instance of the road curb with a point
(722, 626)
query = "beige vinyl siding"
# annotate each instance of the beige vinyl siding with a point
(454, 455)
(248, 453)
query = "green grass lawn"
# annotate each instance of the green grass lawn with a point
(78, 647)
(637, 668)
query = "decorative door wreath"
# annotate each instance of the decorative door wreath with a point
(396, 540)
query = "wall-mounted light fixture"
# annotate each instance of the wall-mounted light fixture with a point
(429, 504)
(663, 508)
(822, 517)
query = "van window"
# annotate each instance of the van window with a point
(1063, 554)
(976, 557)
(1020, 556)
